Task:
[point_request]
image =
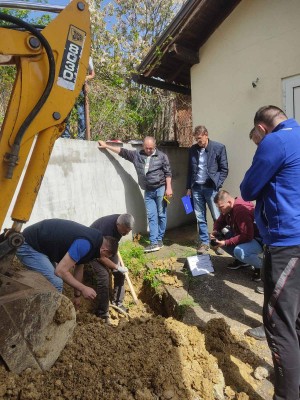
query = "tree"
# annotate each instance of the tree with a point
(123, 32)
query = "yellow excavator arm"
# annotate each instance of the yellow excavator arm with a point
(51, 67)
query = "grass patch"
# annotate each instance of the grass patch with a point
(133, 256)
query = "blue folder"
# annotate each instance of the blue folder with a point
(187, 204)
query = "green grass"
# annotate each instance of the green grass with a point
(133, 256)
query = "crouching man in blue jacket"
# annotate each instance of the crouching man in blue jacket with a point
(273, 180)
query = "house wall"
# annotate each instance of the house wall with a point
(260, 39)
(82, 184)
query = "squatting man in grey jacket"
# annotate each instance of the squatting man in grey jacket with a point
(154, 177)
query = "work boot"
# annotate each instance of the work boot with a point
(203, 248)
(257, 333)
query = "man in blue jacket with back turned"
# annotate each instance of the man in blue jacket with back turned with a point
(273, 180)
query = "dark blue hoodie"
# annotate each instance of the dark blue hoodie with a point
(273, 180)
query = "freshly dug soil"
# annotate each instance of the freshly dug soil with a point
(143, 357)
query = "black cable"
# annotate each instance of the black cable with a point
(16, 146)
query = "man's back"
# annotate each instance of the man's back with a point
(54, 237)
(273, 180)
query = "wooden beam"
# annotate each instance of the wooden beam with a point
(161, 84)
(184, 54)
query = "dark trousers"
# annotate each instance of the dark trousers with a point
(281, 313)
(103, 285)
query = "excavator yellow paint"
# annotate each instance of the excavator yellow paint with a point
(36, 321)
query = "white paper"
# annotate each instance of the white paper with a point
(200, 265)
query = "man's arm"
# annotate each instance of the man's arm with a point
(108, 263)
(169, 191)
(189, 174)
(104, 145)
(266, 162)
(78, 274)
(168, 175)
(63, 271)
(244, 223)
(223, 167)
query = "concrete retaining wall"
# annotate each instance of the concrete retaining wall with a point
(83, 183)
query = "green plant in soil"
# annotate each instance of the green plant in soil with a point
(152, 276)
(133, 257)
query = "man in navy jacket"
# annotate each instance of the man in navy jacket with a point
(207, 171)
(273, 181)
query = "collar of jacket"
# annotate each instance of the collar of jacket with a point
(142, 152)
(288, 123)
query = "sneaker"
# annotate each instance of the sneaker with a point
(151, 247)
(256, 275)
(259, 289)
(203, 249)
(160, 244)
(236, 264)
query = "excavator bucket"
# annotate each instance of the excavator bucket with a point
(36, 321)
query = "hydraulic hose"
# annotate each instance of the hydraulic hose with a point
(13, 156)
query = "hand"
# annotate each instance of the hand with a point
(169, 193)
(189, 193)
(102, 144)
(122, 269)
(77, 302)
(88, 293)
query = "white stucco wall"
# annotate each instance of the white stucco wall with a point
(82, 184)
(260, 39)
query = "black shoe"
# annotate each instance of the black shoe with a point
(105, 319)
(160, 244)
(237, 265)
(256, 275)
(259, 289)
(219, 251)
(151, 247)
(257, 333)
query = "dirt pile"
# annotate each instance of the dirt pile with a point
(143, 357)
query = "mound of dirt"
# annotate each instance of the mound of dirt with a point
(143, 357)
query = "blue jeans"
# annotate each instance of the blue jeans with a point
(39, 262)
(81, 125)
(203, 195)
(157, 213)
(247, 253)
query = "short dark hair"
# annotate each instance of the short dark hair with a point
(251, 133)
(221, 195)
(267, 114)
(200, 129)
(112, 244)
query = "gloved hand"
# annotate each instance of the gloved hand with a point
(122, 269)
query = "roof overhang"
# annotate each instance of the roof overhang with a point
(169, 61)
